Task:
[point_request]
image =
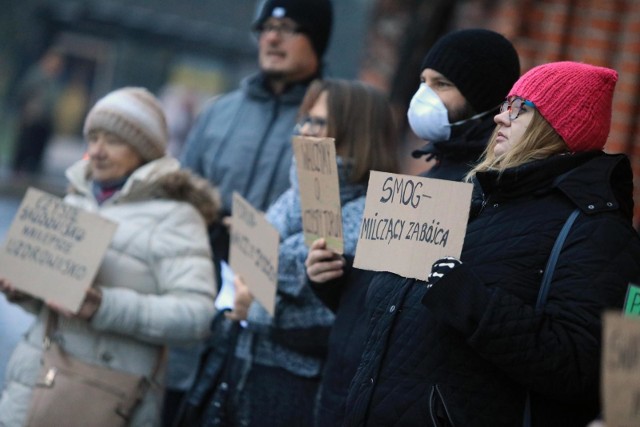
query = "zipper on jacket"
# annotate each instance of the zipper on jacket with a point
(485, 201)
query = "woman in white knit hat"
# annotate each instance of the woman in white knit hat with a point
(155, 285)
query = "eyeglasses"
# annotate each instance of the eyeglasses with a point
(284, 30)
(315, 125)
(513, 105)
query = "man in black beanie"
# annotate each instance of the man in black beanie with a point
(242, 141)
(465, 77)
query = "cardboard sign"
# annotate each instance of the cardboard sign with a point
(621, 370)
(53, 250)
(410, 222)
(319, 190)
(632, 301)
(253, 253)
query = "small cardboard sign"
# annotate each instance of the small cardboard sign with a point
(53, 250)
(621, 370)
(410, 222)
(632, 301)
(253, 253)
(319, 190)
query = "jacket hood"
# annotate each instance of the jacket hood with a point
(594, 181)
(158, 179)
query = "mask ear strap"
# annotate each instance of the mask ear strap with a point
(474, 117)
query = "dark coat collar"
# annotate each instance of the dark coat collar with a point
(594, 181)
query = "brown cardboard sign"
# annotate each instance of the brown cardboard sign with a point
(53, 250)
(253, 254)
(319, 190)
(621, 370)
(410, 222)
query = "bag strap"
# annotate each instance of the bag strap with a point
(553, 260)
(52, 326)
(545, 286)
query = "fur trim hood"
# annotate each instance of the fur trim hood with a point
(159, 179)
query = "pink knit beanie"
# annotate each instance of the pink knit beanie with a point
(136, 116)
(575, 98)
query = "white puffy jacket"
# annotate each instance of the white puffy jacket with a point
(156, 279)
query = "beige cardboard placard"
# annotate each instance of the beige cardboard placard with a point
(621, 370)
(253, 253)
(319, 190)
(53, 250)
(410, 222)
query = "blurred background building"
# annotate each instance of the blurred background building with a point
(189, 50)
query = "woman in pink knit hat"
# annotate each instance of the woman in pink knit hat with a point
(490, 345)
(538, 343)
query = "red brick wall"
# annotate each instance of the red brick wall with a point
(600, 32)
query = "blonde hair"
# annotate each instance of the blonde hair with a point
(539, 141)
(360, 119)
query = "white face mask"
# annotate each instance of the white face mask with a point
(428, 117)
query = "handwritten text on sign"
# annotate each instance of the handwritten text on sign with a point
(253, 253)
(410, 222)
(53, 249)
(319, 190)
(621, 370)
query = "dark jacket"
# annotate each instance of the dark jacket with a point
(466, 352)
(346, 296)
(459, 154)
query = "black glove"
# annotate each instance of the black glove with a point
(440, 268)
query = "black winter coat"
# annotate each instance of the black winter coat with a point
(466, 352)
(346, 296)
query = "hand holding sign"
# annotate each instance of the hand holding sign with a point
(410, 222)
(10, 292)
(323, 264)
(242, 299)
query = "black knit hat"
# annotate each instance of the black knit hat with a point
(315, 18)
(481, 63)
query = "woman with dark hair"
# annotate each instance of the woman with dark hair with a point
(279, 360)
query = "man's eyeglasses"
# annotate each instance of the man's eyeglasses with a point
(315, 125)
(513, 105)
(282, 29)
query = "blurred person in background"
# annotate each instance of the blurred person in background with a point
(36, 96)
(156, 283)
(241, 141)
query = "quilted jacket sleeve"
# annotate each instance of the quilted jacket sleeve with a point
(184, 306)
(555, 352)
